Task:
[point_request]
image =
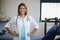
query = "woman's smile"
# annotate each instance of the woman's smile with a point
(22, 10)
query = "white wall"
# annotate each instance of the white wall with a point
(0, 7)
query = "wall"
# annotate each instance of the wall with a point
(0, 7)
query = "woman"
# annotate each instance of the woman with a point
(19, 26)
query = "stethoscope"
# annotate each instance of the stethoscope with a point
(17, 21)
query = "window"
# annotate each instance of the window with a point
(49, 9)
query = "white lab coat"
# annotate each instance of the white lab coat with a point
(29, 22)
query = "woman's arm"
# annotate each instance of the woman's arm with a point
(32, 32)
(11, 24)
(34, 25)
(11, 32)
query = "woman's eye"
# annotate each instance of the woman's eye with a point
(22, 8)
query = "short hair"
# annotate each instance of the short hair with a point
(22, 4)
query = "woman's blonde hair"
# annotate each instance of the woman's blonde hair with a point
(22, 4)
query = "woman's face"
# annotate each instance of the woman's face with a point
(22, 10)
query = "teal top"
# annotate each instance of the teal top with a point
(23, 32)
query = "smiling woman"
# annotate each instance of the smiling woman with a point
(22, 9)
(22, 24)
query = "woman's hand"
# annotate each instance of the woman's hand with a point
(12, 33)
(32, 32)
(15, 34)
(29, 34)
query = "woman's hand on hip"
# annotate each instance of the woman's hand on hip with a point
(12, 33)
(29, 34)
(15, 34)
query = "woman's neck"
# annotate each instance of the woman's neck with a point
(22, 17)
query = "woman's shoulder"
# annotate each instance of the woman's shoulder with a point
(13, 18)
(29, 16)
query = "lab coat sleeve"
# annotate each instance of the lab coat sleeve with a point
(11, 23)
(33, 23)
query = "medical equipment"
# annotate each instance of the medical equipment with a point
(17, 20)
